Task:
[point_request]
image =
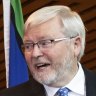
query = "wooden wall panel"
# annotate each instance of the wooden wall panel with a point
(2, 60)
(87, 10)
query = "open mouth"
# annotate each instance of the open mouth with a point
(42, 65)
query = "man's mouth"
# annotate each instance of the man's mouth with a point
(41, 65)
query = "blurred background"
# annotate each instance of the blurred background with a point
(87, 11)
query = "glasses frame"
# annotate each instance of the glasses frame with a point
(40, 43)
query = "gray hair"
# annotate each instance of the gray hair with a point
(73, 25)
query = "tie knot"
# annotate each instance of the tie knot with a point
(62, 92)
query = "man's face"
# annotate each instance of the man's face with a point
(51, 65)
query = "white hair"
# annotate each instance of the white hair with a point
(73, 25)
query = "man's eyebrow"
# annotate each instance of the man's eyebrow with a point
(44, 37)
(28, 41)
(39, 39)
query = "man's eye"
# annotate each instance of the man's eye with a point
(28, 46)
(45, 42)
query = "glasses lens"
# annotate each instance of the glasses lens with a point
(45, 43)
(28, 47)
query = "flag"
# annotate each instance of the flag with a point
(6, 19)
(18, 72)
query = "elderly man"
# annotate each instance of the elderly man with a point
(54, 43)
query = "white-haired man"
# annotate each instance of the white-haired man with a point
(54, 42)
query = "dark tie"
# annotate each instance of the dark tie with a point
(62, 92)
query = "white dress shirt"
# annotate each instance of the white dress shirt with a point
(76, 85)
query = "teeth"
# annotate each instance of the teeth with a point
(39, 65)
(42, 65)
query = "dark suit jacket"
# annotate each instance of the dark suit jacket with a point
(33, 88)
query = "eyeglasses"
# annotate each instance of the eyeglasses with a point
(43, 44)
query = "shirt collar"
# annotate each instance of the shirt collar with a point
(77, 84)
(50, 90)
(78, 80)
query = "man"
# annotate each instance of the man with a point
(54, 43)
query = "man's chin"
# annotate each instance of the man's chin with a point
(45, 79)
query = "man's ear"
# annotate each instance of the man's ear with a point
(77, 45)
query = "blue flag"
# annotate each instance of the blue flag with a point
(18, 71)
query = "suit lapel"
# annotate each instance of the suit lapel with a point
(90, 81)
(36, 89)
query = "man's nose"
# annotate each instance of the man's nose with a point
(36, 52)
